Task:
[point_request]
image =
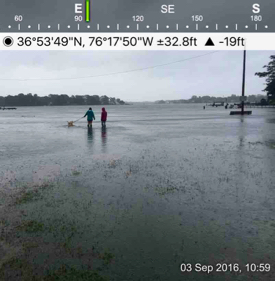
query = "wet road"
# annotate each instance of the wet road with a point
(160, 186)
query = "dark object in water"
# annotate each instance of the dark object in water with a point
(217, 104)
(9, 108)
(249, 112)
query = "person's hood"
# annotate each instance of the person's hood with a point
(103, 109)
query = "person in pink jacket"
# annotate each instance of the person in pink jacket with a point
(103, 117)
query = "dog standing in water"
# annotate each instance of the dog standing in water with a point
(90, 117)
(70, 123)
(103, 117)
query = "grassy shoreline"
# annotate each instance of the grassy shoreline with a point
(27, 254)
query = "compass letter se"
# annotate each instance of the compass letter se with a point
(170, 9)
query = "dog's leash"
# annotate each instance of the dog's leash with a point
(78, 119)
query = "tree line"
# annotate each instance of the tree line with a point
(209, 99)
(269, 98)
(35, 100)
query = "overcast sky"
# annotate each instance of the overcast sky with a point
(216, 74)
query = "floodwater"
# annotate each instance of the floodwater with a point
(161, 185)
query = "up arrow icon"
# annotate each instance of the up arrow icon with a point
(209, 42)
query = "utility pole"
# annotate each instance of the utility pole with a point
(242, 99)
(243, 88)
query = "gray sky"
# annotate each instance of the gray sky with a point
(215, 74)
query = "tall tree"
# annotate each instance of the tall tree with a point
(270, 79)
(104, 100)
(113, 101)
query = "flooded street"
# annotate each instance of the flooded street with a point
(162, 185)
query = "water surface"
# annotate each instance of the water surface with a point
(161, 185)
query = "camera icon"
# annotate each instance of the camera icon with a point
(8, 41)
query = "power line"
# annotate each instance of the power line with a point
(107, 74)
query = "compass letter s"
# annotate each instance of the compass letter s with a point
(256, 8)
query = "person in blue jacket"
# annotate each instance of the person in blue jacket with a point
(90, 117)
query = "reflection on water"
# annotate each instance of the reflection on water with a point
(103, 139)
(242, 131)
(90, 136)
(270, 120)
